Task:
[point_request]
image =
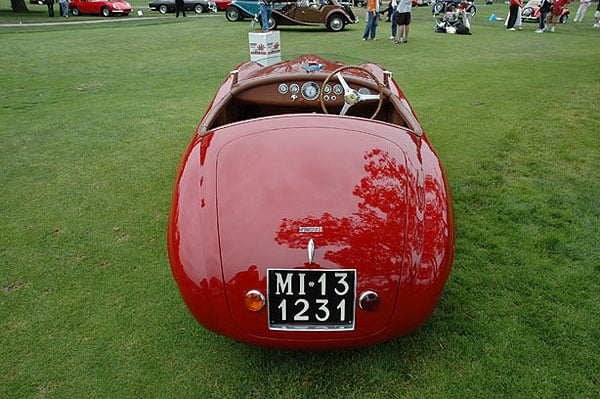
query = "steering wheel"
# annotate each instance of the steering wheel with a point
(351, 96)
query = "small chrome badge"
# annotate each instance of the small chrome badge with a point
(311, 229)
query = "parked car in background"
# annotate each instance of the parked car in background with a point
(198, 6)
(100, 7)
(444, 6)
(531, 12)
(310, 210)
(334, 15)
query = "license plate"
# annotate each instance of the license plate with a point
(310, 299)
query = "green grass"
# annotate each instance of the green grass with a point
(95, 117)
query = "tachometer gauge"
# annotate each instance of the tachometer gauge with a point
(364, 90)
(310, 91)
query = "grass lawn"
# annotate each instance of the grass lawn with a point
(94, 118)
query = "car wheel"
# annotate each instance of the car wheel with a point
(232, 14)
(75, 11)
(527, 12)
(105, 12)
(438, 8)
(163, 9)
(272, 24)
(335, 23)
(198, 9)
(564, 18)
(472, 9)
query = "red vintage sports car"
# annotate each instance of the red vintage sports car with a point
(310, 210)
(105, 8)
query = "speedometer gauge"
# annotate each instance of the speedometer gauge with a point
(310, 91)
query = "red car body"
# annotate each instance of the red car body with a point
(292, 227)
(222, 4)
(99, 7)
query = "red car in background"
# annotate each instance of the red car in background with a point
(222, 4)
(310, 210)
(105, 8)
(531, 12)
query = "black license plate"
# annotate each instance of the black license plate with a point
(302, 299)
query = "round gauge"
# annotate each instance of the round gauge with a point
(364, 90)
(294, 88)
(310, 91)
(283, 88)
(338, 89)
(327, 89)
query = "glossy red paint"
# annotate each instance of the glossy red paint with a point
(376, 190)
(222, 4)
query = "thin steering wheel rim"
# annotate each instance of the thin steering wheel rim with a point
(346, 93)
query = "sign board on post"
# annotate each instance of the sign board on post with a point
(265, 47)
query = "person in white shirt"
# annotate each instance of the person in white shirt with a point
(403, 20)
(583, 6)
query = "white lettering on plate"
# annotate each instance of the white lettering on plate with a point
(311, 229)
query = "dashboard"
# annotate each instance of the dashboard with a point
(311, 90)
(297, 92)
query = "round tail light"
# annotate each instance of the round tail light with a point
(254, 300)
(368, 301)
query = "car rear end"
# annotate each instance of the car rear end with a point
(293, 232)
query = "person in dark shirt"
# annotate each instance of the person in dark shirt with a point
(545, 8)
(179, 7)
(50, 4)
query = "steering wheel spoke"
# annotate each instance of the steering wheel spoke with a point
(343, 82)
(345, 108)
(369, 97)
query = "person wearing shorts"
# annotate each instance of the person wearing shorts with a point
(403, 20)
(557, 7)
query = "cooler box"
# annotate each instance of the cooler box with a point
(265, 47)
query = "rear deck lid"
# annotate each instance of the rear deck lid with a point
(287, 180)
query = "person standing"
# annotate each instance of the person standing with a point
(513, 12)
(392, 18)
(555, 13)
(64, 8)
(50, 4)
(583, 6)
(179, 7)
(372, 20)
(403, 14)
(545, 7)
(266, 9)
